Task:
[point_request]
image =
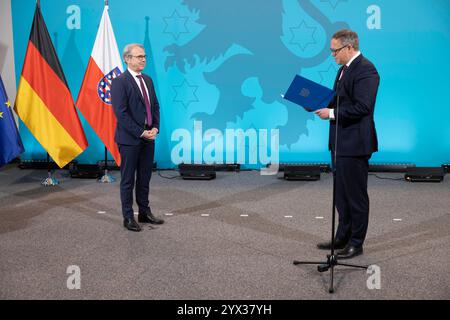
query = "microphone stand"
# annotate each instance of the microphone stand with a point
(332, 258)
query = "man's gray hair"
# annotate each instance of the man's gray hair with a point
(129, 47)
(347, 37)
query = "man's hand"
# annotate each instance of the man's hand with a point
(324, 113)
(149, 135)
(153, 133)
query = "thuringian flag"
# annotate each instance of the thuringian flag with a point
(44, 102)
(10, 143)
(94, 99)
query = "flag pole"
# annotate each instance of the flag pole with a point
(49, 181)
(106, 178)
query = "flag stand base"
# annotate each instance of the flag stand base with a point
(50, 181)
(106, 178)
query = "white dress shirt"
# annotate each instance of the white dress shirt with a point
(135, 77)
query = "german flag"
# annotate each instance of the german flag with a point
(44, 102)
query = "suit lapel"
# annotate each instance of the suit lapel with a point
(150, 89)
(135, 86)
(349, 69)
(148, 84)
(353, 65)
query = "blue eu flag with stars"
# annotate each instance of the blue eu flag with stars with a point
(10, 143)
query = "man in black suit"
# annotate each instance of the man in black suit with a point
(137, 111)
(352, 112)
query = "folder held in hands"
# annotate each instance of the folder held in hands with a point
(308, 94)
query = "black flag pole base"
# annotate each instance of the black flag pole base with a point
(49, 181)
(106, 178)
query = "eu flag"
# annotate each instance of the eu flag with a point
(10, 143)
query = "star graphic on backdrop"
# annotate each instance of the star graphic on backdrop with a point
(185, 93)
(333, 3)
(329, 73)
(1, 115)
(176, 24)
(303, 35)
(8, 104)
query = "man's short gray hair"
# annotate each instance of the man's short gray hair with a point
(347, 37)
(129, 47)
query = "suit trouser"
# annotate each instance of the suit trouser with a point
(352, 199)
(137, 164)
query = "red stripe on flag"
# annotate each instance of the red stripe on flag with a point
(100, 115)
(53, 92)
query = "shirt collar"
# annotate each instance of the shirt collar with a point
(134, 74)
(357, 54)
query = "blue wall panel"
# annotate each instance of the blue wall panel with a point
(225, 63)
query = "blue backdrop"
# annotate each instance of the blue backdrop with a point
(225, 63)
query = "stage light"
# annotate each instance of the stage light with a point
(301, 173)
(425, 174)
(197, 171)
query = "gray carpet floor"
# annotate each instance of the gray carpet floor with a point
(234, 237)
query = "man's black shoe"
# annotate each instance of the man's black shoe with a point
(149, 218)
(349, 252)
(131, 224)
(338, 244)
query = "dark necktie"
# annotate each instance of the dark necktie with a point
(146, 100)
(344, 68)
(338, 80)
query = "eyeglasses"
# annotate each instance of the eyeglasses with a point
(336, 51)
(139, 57)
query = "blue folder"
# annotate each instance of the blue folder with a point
(308, 94)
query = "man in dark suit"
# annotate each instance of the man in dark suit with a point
(351, 111)
(137, 112)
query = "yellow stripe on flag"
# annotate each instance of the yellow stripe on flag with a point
(44, 126)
